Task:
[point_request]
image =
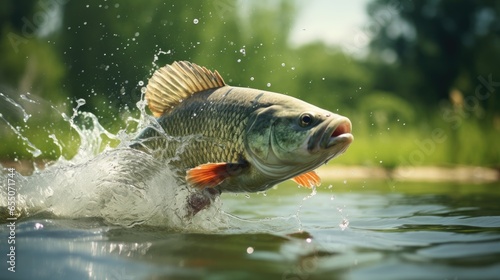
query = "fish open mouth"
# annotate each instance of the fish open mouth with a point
(337, 135)
(334, 136)
(342, 128)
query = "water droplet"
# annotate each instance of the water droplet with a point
(195, 21)
(80, 102)
(268, 85)
(239, 60)
(243, 51)
(252, 78)
(140, 83)
(283, 64)
(26, 97)
(137, 34)
(34, 151)
(344, 224)
(250, 250)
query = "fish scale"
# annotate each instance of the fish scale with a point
(207, 125)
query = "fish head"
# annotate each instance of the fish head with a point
(291, 138)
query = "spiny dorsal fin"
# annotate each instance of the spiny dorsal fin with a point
(173, 83)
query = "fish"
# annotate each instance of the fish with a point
(220, 138)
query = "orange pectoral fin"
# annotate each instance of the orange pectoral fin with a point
(308, 180)
(210, 175)
(207, 175)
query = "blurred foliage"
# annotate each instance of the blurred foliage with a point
(440, 45)
(423, 70)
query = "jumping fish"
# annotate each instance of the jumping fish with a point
(221, 138)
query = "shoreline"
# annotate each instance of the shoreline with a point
(463, 174)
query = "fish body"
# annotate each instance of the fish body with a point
(235, 139)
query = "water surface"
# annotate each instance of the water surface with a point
(346, 230)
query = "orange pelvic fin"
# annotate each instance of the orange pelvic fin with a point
(308, 180)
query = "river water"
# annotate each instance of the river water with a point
(343, 230)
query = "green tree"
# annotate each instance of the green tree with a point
(447, 55)
(439, 45)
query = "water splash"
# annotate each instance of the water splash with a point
(313, 193)
(156, 57)
(91, 135)
(121, 185)
(344, 223)
(26, 97)
(26, 116)
(30, 146)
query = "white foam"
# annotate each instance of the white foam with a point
(122, 186)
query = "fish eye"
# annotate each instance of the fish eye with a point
(305, 119)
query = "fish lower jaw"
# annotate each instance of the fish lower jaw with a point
(342, 139)
(338, 145)
(343, 127)
(339, 149)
